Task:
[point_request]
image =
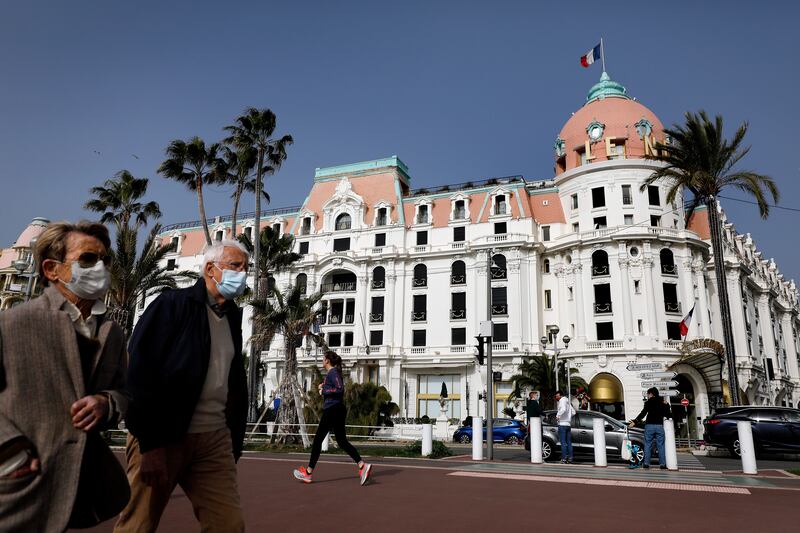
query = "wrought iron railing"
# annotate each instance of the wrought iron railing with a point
(672, 307)
(669, 270)
(344, 286)
(376, 317)
(458, 314)
(459, 279)
(499, 310)
(499, 273)
(419, 282)
(418, 316)
(378, 284)
(602, 308)
(600, 270)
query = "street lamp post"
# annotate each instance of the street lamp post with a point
(556, 352)
(489, 370)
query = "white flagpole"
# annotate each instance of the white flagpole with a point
(602, 54)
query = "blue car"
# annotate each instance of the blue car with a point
(505, 430)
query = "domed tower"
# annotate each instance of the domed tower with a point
(622, 269)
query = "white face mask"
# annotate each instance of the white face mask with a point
(89, 283)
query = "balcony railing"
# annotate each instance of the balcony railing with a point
(349, 319)
(458, 245)
(499, 273)
(599, 270)
(376, 317)
(458, 349)
(602, 308)
(335, 319)
(499, 310)
(420, 249)
(418, 316)
(499, 346)
(669, 270)
(603, 345)
(672, 307)
(498, 238)
(458, 314)
(419, 282)
(459, 279)
(378, 284)
(346, 286)
(419, 349)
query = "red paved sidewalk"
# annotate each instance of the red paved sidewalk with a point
(416, 497)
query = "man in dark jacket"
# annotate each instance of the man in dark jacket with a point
(656, 411)
(188, 406)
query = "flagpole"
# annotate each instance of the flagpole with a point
(602, 54)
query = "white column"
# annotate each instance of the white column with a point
(477, 438)
(702, 299)
(599, 430)
(747, 447)
(427, 439)
(536, 440)
(626, 307)
(670, 449)
(653, 328)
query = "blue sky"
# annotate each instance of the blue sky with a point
(459, 90)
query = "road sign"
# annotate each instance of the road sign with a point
(666, 392)
(657, 375)
(685, 402)
(645, 366)
(659, 384)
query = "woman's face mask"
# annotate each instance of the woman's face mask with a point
(89, 283)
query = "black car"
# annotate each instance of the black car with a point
(775, 429)
(583, 436)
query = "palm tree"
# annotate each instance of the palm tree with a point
(135, 277)
(276, 253)
(237, 170)
(194, 165)
(699, 158)
(254, 129)
(537, 373)
(119, 200)
(290, 314)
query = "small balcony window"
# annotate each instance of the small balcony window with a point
(600, 263)
(498, 270)
(627, 197)
(422, 214)
(343, 222)
(382, 218)
(458, 273)
(459, 210)
(420, 278)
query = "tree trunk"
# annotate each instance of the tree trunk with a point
(724, 303)
(236, 199)
(252, 414)
(202, 207)
(287, 419)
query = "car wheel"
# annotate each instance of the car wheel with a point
(638, 448)
(464, 439)
(735, 449)
(547, 449)
(512, 439)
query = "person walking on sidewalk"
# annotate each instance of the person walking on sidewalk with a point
(656, 411)
(188, 398)
(333, 419)
(564, 417)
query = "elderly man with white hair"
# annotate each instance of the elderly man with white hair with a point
(188, 398)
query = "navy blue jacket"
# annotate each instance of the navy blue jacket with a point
(168, 353)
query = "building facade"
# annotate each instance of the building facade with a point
(409, 274)
(17, 269)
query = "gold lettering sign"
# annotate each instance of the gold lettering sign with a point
(588, 152)
(650, 146)
(610, 147)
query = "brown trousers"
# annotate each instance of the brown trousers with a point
(202, 464)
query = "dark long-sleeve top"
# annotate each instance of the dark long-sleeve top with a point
(332, 388)
(656, 411)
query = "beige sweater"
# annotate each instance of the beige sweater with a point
(209, 414)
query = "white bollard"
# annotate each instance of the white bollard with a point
(326, 442)
(669, 445)
(599, 430)
(477, 438)
(747, 447)
(536, 440)
(427, 440)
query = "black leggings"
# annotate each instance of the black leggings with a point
(332, 420)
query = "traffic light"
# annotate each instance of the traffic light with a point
(479, 347)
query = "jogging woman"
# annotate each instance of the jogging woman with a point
(333, 418)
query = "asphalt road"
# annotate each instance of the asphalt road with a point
(420, 496)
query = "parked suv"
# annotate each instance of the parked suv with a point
(583, 436)
(775, 429)
(505, 430)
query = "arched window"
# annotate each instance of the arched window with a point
(378, 278)
(667, 262)
(301, 281)
(546, 266)
(343, 222)
(600, 263)
(458, 273)
(420, 276)
(499, 270)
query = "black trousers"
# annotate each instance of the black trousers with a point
(332, 420)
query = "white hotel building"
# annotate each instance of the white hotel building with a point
(404, 273)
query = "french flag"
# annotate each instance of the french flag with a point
(684, 325)
(591, 56)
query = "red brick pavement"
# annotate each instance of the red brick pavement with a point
(405, 496)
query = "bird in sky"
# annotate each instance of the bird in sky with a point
(98, 153)
(136, 156)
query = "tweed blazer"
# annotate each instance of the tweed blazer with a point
(40, 378)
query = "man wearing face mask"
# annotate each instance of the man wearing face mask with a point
(188, 398)
(62, 371)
